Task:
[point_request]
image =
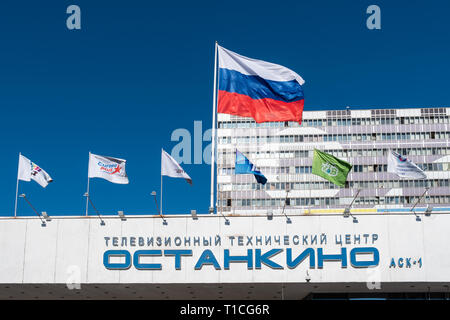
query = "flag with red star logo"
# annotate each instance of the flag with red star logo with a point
(108, 168)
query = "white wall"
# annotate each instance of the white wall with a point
(30, 253)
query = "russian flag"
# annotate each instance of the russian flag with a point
(258, 89)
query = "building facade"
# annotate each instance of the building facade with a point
(283, 152)
(241, 258)
(305, 250)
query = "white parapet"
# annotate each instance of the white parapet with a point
(212, 249)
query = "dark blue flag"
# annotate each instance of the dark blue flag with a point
(244, 166)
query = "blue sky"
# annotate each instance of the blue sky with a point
(138, 70)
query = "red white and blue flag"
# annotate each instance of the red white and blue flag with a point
(258, 89)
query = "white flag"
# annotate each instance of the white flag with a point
(30, 171)
(171, 168)
(252, 67)
(108, 168)
(403, 167)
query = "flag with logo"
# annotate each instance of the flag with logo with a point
(403, 167)
(244, 166)
(29, 170)
(108, 168)
(171, 168)
(330, 168)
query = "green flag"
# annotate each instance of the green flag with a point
(331, 168)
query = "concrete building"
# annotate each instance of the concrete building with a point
(240, 257)
(294, 238)
(283, 153)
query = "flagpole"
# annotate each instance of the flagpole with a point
(17, 187)
(310, 187)
(213, 135)
(161, 197)
(161, 191)
(87, 192)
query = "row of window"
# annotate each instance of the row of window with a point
(443, 166)
(323, 202)
(335, 122)
(340, 153)
(392, 136)
(324, 185)
(375, 121)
